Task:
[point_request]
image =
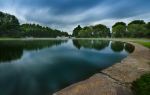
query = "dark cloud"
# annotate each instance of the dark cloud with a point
(65, 13)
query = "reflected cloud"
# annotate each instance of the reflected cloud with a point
(12, 50)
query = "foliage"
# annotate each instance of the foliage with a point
(10, 27)
(94, 31)
(137, 22)
(136, 29)
(33, 30)
(142, 85)
(86, 32)
(101, 31)
(147, 32)
(76, 31)
(119, 30)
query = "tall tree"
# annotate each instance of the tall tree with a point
(119, 29)
(94, 31)
(147, 33)
(9, 25)
(35, 30)
(101, 30)
(136, 28)
(76, 31)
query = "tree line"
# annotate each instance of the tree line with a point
(135, 29)
(91, 31)
(10, 27)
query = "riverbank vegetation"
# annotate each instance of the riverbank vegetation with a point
(146, 44)
(10, 27)
(135, 29)
(142, 85)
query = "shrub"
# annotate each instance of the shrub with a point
(142, 85)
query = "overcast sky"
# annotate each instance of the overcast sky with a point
(67, 14)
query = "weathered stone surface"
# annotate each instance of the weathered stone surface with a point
(131, 67)
(115, 80)
(99, 84)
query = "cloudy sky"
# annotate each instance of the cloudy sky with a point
(67, 14)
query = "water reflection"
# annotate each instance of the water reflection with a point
(117, 46)
(13, 50)
(91, 44)
(129, 48)
(44, 67)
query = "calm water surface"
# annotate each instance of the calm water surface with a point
(44, 67)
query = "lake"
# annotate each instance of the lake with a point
(42, 67)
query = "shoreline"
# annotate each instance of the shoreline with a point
(115, 80)
(115, 39)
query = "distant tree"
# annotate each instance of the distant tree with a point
(119, 29)
(136, 28)
(85, 32)
(94, 31)
(147, 32)
(101, 31)
(76, 31)
(9, 25)
(35, 30)
(137, 22)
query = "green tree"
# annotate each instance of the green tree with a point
(85, 32)
(9, 25)
(136, 29)
(147, 32)
(35, 30)
(101, 31)
(76, 31)
(94, 31)
(119, 29)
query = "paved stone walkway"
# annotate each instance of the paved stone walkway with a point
(115, 80)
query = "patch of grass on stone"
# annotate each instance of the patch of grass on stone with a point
(142, 85)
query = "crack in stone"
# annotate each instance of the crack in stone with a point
(126, 84)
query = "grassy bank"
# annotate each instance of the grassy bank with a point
(142, 85)
(146, 44)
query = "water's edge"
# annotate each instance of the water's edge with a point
(115, 80)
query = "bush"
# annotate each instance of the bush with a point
(142, 85)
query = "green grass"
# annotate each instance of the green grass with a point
(142, 85)
(146, 44)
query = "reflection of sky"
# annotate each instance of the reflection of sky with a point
(68, 50)
(50, 54)
(54, 67)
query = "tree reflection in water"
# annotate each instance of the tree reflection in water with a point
(13, 50)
